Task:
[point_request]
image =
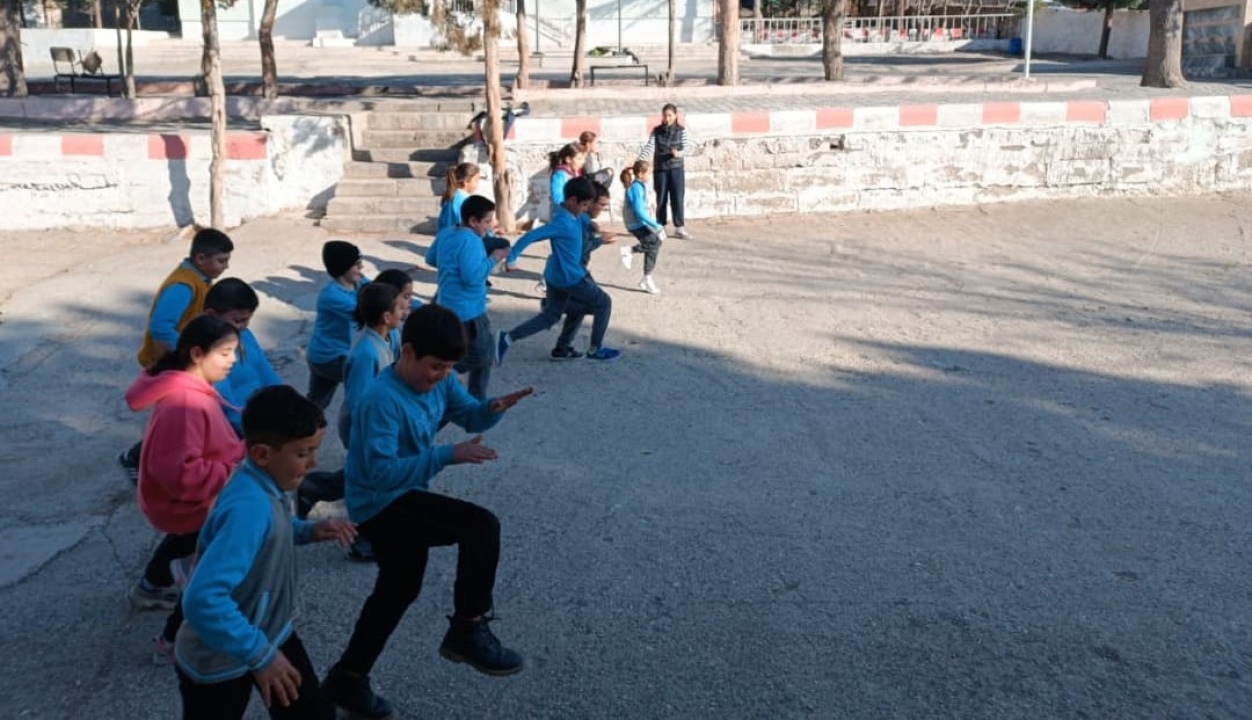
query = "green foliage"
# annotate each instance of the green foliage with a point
(401, 7)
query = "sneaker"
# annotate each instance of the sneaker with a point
(603, 353)
(502, 346)
(565, 353)
(130, 466)
(162, 651)
(152, 598)
(541, 286)
(181, 569)
(361, 551)
(648, 286)
(353, 695)
(682, 233)
(628, 257)
(475, 644)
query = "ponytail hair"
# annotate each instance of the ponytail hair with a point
(634, 171)
(374, 300)
(559, 157)
(458, 177)
(204, 333)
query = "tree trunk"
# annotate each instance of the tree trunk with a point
(128, 80)
(832, 39)
(673, 39)
(1108, 29)
(12, 75)
(217, 93)
(728, 47)
(269, 67)
(1163, 68)
(495, 109)
(121, 42)
(580, 44)
(523, 48)
(97, 13)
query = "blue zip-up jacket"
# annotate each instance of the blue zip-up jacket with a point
(564, 267)
(394, 427)
(169, 308)
(464, 266)
(251, 372)
(635, 214)
(556, 188)
(370, 354)
(240, 602)
(332, 329)
(450, 211)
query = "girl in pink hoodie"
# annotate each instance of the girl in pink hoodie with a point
(189, 451)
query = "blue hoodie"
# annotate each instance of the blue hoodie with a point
(394, 427)
(370, 354)
(556, 188)
(251, 372)
(450, 211)
(564, 268)
(464, 266)
(240, 601)
(332, 329)
(635, 214)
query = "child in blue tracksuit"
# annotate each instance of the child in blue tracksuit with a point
(566, 278)
(641, 224)
(240, 601)
(379, 311)
(391, 462)
(332, 330)
(463, 270)
(234, 301)
(403, 283)
(462, 182)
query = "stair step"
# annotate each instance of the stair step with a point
(415, 205)
(379, 120)
(406, 156)
(383, 139)
(378, 224)
(398, 170)
(389, 187)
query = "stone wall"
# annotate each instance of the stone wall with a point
(876, 158)
(136, 180)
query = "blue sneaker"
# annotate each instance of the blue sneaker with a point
(604, 353)
(502, 346)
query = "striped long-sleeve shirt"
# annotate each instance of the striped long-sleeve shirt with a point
(662, 140)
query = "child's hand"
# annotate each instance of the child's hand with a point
(278, 681)
(500, 254)
(501, 404)
(338, 529)
(472, 451)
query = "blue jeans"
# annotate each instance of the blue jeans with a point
(581, 299)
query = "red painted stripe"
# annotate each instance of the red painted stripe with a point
(1086, 111)
(167, 147)
(749, 122)
(246, 146)
(914, 115)
(1168, 108)
(1241, 105)
(995, 113)
(572, 127)
(830, 118)
(6, 144)
(90, 145)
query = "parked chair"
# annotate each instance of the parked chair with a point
(68, 64)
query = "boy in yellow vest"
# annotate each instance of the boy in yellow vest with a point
(179, 299)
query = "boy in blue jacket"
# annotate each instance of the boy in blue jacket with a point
(567, 280)
(332, 329)
(463, 267)
(239, 604)
(234, 301)
(392, 457)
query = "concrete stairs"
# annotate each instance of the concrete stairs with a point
(396, 177)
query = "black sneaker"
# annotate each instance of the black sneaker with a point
(130, 466)
(475, 644)
(354, 696)
(361, 550)
(565, 353)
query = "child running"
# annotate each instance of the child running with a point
(179, 299)
(566, 277)
(462, 183)
(189, 451)
(240, 601)
(332, 330)
(234, 301)
(641, 224)
(575, 310)
(391, 462)
(463, 271)
(403, 283)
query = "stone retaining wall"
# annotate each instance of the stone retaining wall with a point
(138, 180)
(874, 158)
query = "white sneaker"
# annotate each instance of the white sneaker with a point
(628, 257)
(682, 233)
(648, 286)
(541, 286)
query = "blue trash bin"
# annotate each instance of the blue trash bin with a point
(1015, 46)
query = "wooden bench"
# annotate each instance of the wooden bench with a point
(68, 64)
(622, 66)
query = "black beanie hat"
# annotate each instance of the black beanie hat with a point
(339, 257)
